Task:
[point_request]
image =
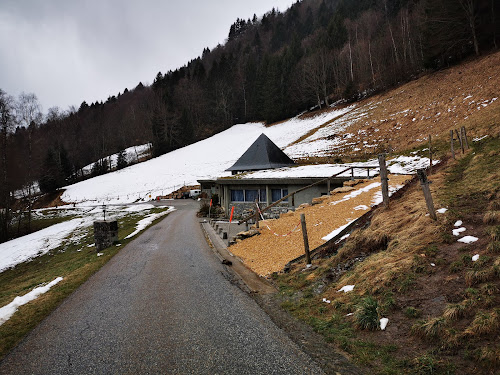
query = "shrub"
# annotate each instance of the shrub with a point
(474, 277)
(454, 311)
(431, 328)
(491, 217)
(412, 312)
(483, 323)
(494, 232)
(494, 247)
(366, 314)
(425, 365)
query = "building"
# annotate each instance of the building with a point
(264, 173)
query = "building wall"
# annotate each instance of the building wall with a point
(242, 209)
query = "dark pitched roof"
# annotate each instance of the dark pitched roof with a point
(262, 154)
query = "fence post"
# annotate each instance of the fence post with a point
(430, 153)
(464, 137)
(257, 213)
(461, 141)
(384, 180)
(306, 239)
(452, 147)
(427, 193)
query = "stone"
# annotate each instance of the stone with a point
(319, 200)
(343, 189)
(354, 182)
(105, 234)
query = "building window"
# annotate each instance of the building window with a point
(277, 194)
(251, 195)
(263, 195)
(237, 196)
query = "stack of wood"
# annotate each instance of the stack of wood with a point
(180, 192)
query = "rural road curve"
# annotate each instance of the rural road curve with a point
(162, 305)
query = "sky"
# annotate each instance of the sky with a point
(68, 51)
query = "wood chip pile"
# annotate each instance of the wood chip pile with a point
(273, 249)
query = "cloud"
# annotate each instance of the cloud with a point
(70, 51)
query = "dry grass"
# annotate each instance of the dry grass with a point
(431, 328)
(491, 217)
(403, 118)
(484, 323)
(474, 277)
(454, 311)
(490, 356)
(411, 232)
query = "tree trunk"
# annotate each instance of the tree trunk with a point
(350, 59)
(371, 62)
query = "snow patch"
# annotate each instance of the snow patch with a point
(347, 288)
(7, 311)
(456, 232)
(468, 239)
(383, 323)
(147, 221)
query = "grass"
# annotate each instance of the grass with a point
(484, 323)
(366, 315)
(75, 262)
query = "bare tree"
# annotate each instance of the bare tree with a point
(6, 126)
(470, 9)
(316, 76)
(29, 114)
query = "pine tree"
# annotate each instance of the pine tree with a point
(121, 161)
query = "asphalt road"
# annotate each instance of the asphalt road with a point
(163, 305)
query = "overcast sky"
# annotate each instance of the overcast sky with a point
(68, 51)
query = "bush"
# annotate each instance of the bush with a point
(366, 315)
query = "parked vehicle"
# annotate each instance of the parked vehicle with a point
(193, 194)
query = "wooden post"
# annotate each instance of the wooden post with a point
(430, 153)
(306, 239)
(464, 137)
(328, 187)
(257, 213)
(352, 174)
(384, 179)
(427, 193)
(452, 146)
(460, 139)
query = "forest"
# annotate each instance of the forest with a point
(315, 54)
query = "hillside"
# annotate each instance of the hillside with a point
(436, 282)
(340, 134)
(439, 295)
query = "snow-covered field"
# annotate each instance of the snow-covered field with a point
(211, 157)
(132, 155)
(25, 248)
(205, 159)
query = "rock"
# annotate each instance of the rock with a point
(303, 205)
(319, 200)
(343, 189)
(247, 234)
(354, 182)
